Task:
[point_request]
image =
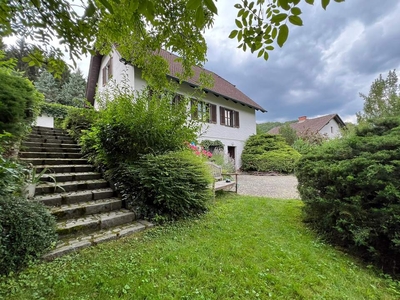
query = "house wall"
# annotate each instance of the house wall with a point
(331, 130)
(229, 136)
(45, 121)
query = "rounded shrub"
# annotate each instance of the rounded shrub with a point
(79, 119)
(268, 153)
(166, 187)
(27, 231)
(351, 191)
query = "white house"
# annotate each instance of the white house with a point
(232, 117)
(328, 126)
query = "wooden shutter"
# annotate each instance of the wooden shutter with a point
(213, 113)
(110, 73)
(194, 109)
(222, 115)
(177, 99)
(236, 119)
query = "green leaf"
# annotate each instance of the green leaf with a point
(266, 55)
(192, 4)
(36, 3)
(325, 3)
(199, 17)
(310, 2)
(211, 6)
(107, 5)
(282, 35)
(284, 4)
(296, 11)
(233, 34)
(278, 18)
(238, 23)
(260, 53)
(296, 20)
(90, 9)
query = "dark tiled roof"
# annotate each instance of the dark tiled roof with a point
(311, 125)
(221, 86)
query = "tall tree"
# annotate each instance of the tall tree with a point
(383, 99)
(48, 86)
(73, 91)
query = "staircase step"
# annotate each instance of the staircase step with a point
(54, 161)
(67, 246)
(94, 222)
(48, 140)
(70, 186)
(48, 145)
(49, 135)
(86, 208)
(49, 155)
(76, 149)
(62, 177)
(65, 168)
(58, 199)
(40, 128)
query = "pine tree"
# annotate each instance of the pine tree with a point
(48, 86)
(73, 92)
(383, 99)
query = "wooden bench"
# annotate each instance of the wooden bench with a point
(219, 182)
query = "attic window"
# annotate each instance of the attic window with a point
(107, 71)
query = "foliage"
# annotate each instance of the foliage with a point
(261, 22)
(224, 160)
(132, 124)
(47, 85)
(383, 99)
(212, 145)
(11, 174)
(351, 191)
(27, 231)
(222, 255)
(288, 133)
(267, 126)
(55, 110)
(19, 103)
(73, 91)
(199, 150)
(268, 153)
(78, 120)
(165, 187)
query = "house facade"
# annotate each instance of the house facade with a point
(231, 114)
(328, 126)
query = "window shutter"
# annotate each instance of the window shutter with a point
(213, 113)
(222, 115)
(236, 119)
(104, 76)
(194, 109)
(110, 73)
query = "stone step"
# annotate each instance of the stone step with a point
(70, 186)
(67, 246)
(94, 222)
(65, 168)
(75, 149)
(54, 161)
(40, 128)
(37, 135)
(48, 140)
(86, 208)
(58, 199)
(73, 176)
(48, 145)
(49, 155)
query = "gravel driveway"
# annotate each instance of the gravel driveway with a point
(283, 187)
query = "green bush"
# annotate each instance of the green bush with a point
(27, 231)
(165, 187)
(268, 153)
(79, 119)
(19, 103)
(56, 110)
(134, 124)
(351, 191)
(212, 146)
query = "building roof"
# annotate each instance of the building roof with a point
(311, 125)
(221, 86)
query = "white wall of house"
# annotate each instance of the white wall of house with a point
(45, 121)
(229, 136)
(331, 130)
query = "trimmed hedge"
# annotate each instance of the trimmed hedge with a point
(27, 231)
(351, 191)
(268, 153)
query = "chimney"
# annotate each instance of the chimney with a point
(302, 119)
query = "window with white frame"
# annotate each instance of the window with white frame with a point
(229, 117)
(107, 71)
(204, 111)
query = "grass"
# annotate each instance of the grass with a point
(244, 248)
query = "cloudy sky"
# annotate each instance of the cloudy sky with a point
(322, 67)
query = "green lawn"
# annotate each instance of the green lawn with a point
(244, 248)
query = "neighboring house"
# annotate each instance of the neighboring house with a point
(328, 126)
(232, 114)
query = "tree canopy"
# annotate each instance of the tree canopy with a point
(141, 27)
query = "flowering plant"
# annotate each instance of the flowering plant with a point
(199, 150)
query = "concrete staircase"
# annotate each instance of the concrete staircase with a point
(86, 208)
